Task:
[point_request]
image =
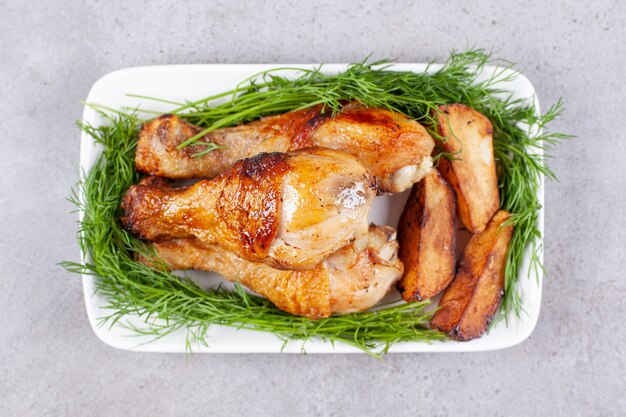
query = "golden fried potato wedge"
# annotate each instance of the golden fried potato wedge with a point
(427, 239)
(468, 305)
(469, 136)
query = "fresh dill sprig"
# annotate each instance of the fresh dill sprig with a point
(133, 288)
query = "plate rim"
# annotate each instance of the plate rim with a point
(106, 333)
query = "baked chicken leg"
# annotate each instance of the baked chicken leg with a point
(393, 147)
(347, 281)
(288, 210)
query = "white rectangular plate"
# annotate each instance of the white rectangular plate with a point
(192, 82)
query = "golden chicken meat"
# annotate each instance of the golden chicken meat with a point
(396, 149)
(289, 210)
(347, 281)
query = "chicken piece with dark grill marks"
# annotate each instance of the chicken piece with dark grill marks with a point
(288, 210)
(393, 147)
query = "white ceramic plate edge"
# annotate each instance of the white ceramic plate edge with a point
(229, 340)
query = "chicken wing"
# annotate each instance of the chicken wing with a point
(288, 210)
(393, 147)
(349, 280)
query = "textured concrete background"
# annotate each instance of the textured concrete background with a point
(52, 364)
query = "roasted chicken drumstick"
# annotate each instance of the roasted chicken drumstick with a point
(393, 147)
(349, 280)
(288, 210)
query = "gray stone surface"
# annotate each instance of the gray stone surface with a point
(52, 364)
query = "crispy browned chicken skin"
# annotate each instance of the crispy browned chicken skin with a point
(393, 147)
(288, 210)
(347, 281)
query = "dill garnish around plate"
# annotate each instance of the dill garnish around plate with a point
(168, 303)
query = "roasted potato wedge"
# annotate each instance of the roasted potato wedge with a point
(468, 305)
(427, 239)
(467, 134)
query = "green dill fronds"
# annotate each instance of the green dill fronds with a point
(168, 302)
